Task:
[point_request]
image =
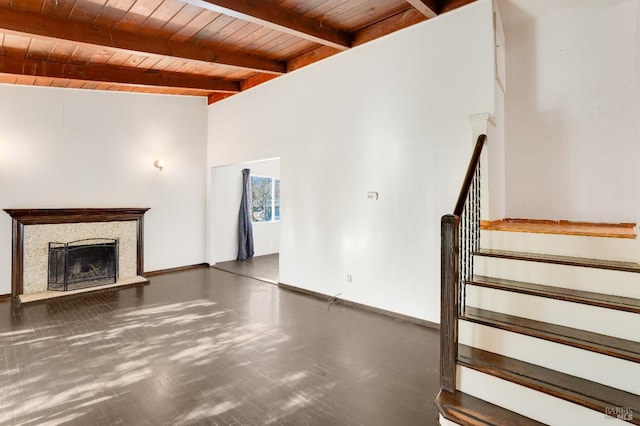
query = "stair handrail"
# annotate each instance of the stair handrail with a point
(460, 237)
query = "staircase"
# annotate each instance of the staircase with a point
(540, 324)
(549, 334)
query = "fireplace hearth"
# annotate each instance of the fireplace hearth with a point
(39, 265)
(82, 264)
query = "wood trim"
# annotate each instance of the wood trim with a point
(429, 8)
(387, 26)
(584, 262)
(253, 277)
(580, 391)
(17, 257)
(140, 245)
(176, 269)
(279, 19)
(40, 26)
(565, 222)
(449, 305)
(594, 342)
(122, 76)
(23, 217)
(471, 172)
(562, 227)
(310, 57)
(620, 303)
(464, 409)
(5, 297)
(75, 215)
(360, 306)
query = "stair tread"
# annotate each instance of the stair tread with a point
(607, 345)
(467, 410)
(562, 227)
(592, 395)
(609, 301)
(562, 260)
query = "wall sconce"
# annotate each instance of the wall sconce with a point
(159, 164)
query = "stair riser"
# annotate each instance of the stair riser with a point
(588, 365)
(528, 402)
(622, 249)
(624, 325)
(595, 280)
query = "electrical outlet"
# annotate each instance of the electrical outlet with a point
(348, 278)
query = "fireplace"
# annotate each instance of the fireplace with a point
(83, 263)
(54, 249)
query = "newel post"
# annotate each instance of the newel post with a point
(449, 302)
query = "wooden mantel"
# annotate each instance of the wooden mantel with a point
(24, 217)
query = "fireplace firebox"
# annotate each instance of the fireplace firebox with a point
(83, 263)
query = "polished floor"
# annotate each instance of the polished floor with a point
(264, 268)
(206, 347)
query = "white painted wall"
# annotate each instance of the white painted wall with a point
(571, 112)
(226, 193)
(63, 148)
(390, 116)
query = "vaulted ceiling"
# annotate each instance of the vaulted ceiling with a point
(213, 48)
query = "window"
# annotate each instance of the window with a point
(265, 199)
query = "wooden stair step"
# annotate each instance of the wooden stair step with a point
(595, 342)
(562, 227)
(467, 410)
(620, 303)
(592, 395)
(562, 260)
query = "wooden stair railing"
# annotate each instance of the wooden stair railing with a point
(460, 236)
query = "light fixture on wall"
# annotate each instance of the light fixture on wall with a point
(159, 164)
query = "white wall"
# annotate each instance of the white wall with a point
(226, 193)
(390, 116)
(63, 148)
(571, 111)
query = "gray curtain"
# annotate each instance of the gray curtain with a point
(245, 230)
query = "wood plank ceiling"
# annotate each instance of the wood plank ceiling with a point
(213, 48)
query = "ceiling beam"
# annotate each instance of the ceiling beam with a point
(310, 57)
(135, 77)
(266, 14)
(450, 5)
(40, 26)
(390, 25)
(428, 8)
(396, 22)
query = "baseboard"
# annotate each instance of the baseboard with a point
(5, 297)
(253, 277)
(176, 269)
(361, 306)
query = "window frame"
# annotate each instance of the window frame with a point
(273, 199)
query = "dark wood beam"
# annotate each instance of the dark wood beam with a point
(429, 8)
(135, 77)
(392, 24)
(310, 57)
(266, 14)
(401, 20)
(256, 80)
(215, 97)
(40, 26)
(449, 5)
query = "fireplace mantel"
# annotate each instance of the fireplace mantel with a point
(24, 217)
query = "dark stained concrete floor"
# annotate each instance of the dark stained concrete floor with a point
(264, 268)
(206, 347)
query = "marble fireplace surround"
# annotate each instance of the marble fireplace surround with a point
(34, 228)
